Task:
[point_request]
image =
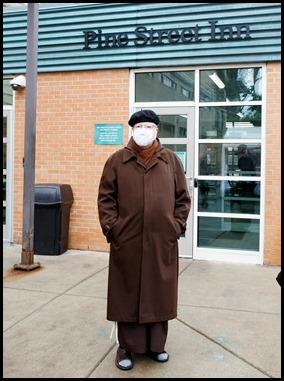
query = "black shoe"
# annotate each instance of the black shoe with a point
(123, 359)
(159, 356)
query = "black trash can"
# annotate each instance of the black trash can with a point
(51, 219)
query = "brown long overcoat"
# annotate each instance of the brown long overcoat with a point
(143, 211)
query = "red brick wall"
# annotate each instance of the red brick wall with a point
(69, 105)
(272, 242)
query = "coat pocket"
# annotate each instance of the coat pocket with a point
(178, 229)
(115, 231)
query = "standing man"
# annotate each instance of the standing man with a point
(143, 205)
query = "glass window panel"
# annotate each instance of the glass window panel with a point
(4, 127)
(231, 85)
(4, 187)
(164, 86)
(4, 215)
(229, 159)
(4, 156)
(173, 126)
(4, 199)
(230, 122)
(229, 196)
(7, 92)
(242, 159)
(179, 150)
(228, 233)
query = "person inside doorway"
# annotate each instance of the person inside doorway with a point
(243, 191)
(247, 166)
(143, 205)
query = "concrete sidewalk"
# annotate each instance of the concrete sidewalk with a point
(55, 325)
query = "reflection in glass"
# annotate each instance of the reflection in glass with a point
(229, 196)
(173, 126)
(164, 86)
(226, 122)
(7, 92)
(4, 187)
(4, 199)
(228, 233)
(230, 85)
(242, 159)
(4, 127)
(179, 150)
(229, 159)
(4, 156)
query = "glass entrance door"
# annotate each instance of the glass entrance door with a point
(213, 120)
(176, 132)
(7, 197)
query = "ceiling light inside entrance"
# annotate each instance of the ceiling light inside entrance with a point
(217, 80)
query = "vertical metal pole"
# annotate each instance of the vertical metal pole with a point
(27, 258)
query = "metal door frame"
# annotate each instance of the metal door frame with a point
(9, 140)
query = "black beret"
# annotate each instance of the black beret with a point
(143, 116)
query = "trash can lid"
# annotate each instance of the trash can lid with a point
(51, 193)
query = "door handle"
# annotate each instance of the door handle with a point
(192, 182)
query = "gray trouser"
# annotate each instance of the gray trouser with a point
(141, 338)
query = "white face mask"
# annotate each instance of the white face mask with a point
(144, 136)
